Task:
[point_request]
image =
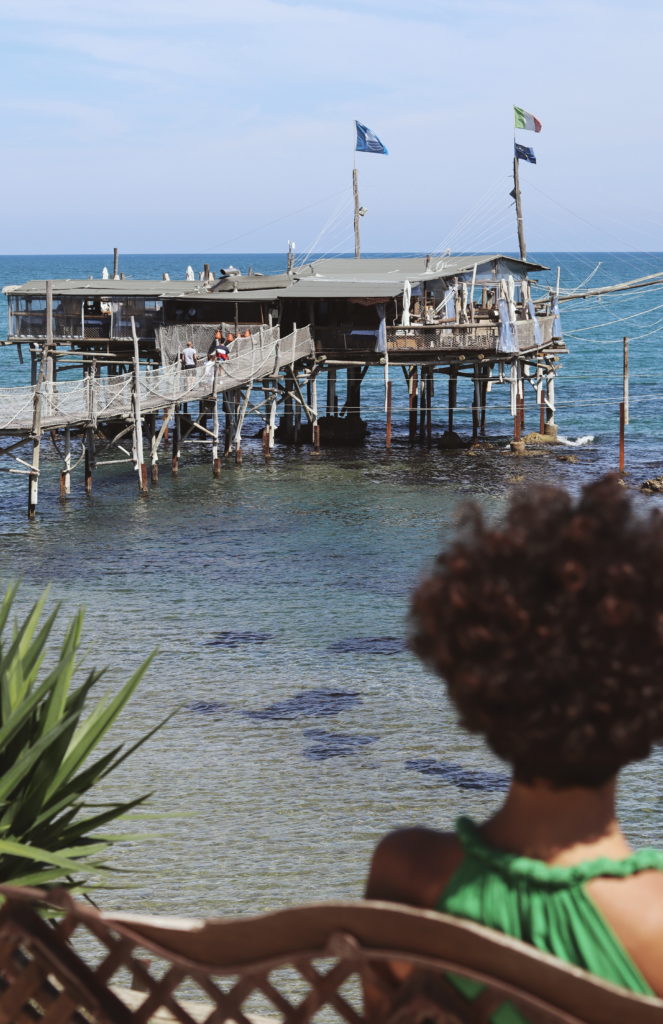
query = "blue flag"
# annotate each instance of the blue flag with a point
(524, 153)
(367, 141)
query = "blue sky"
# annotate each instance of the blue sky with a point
(227, 125)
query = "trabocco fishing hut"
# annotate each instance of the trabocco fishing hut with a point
(106, 356)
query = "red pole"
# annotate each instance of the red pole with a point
(622, 420)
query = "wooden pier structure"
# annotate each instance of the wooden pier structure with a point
(431, 318)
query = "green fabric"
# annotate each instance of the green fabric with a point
(544, 905)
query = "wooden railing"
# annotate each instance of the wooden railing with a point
(480, 337)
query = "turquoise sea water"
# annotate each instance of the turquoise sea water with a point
(277, 596)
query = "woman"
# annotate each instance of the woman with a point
(548, 630)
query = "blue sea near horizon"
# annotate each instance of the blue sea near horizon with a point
(277, 597)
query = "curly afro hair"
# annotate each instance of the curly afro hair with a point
(548, 630)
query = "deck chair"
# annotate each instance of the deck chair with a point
(64, 962)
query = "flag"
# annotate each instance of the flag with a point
(367, 141)
(527, 121)
(524, 153)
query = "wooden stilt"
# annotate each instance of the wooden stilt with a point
(413, 389)
(453, 393)
(154, 450)
(175, 460)
(272, 415)
(483, 399)
(332, 397)
(476, 404)
(622, 423)
(138, 424)
(315, 426)
(422, 403)
(429, 407)
(65, 475)
(33, 476)
(89, 459)
(216, 461)
(387, 436)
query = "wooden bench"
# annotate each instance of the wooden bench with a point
(74, 965)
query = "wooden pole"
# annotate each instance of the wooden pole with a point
(483, 392)
(315, 426)
(154, 450)
(622, 422)
(519, 210)
(65, 475)
(387, 436)
(453, 393)
(216, 461)
(626, 395)
(413, 395)
(116, 264)
(272, 415)
(175, 460)
(138, 426)
(422, 403)
(33, 477)
(429, 407)
(89, 458)
(332, 397)
(355, 192)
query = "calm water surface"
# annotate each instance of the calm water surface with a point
(277, 596)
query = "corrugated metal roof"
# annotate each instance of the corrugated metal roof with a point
(97, 286)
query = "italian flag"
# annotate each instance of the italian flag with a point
(525, 120)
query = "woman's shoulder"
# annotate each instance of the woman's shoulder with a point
(413, 865)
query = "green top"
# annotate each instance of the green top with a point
(544, 905)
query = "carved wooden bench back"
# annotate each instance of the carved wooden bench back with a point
(304, 964)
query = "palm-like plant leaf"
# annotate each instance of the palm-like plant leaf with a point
(48, 738)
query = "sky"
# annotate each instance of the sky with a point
(228, 125)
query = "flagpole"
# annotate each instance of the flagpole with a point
(519, 208)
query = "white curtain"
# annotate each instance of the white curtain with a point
(407, 297)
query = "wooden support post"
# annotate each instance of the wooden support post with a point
(65, 475)
(429, 407)
(626, 395)
(622, 423)
(315, 426)
(154, 450)
(332, 397)
(297, 413)
(423, 381)
(453, 396)
(272, 415)
(476, 404)
(413, 394)
(89, 458)
(387, 436)
(138, 425)
(33, 476)
(550, 405)
(116, 264)
(175, 460)
(483, 397)
(216, 461)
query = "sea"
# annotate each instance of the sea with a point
(276, 598)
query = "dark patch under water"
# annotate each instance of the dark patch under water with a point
(333, 744)
(231, 638)
(207, 707)
(369, 645)
(309, 704)
(464, 778)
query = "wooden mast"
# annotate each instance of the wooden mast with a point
(355, 191)
(519, 210)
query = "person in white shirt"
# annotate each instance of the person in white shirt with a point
(189, 356)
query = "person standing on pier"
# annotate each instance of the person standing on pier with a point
(189, 357)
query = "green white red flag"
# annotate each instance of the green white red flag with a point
(523, 119)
